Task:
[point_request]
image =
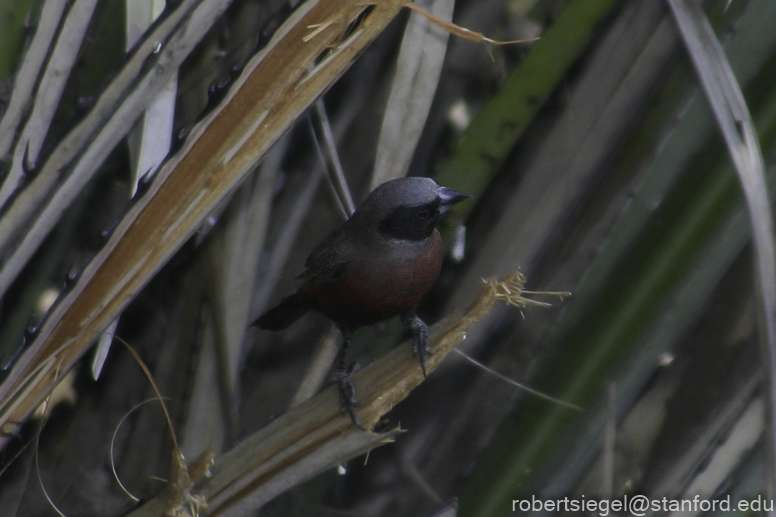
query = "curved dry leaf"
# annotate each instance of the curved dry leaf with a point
(735, 123)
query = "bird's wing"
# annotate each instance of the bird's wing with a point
(329, 260)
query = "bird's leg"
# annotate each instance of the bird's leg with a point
(420, 342)
(347, 393)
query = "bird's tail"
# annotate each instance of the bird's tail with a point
(280, 317)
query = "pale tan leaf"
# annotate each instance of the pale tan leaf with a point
(417, 75)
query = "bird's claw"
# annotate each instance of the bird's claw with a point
(421, 348)
(421, 345)
(347, 393)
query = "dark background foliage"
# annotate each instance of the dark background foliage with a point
(596, 167)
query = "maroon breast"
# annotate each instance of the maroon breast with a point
(378, 286)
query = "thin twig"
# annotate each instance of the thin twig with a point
(464, 33)
(154, 386)
(515, 383)
(37, 462)
(332, 161)
(112, 443)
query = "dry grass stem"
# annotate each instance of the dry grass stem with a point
(464, 33)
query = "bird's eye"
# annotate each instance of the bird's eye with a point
(425, 213)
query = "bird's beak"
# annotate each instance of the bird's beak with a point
(449, 197)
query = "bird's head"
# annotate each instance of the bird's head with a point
(408, 208)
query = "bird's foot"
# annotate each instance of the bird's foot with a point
(421, 345)
(347, 393)
(422, 348)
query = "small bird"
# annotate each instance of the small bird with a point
(377, 265)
